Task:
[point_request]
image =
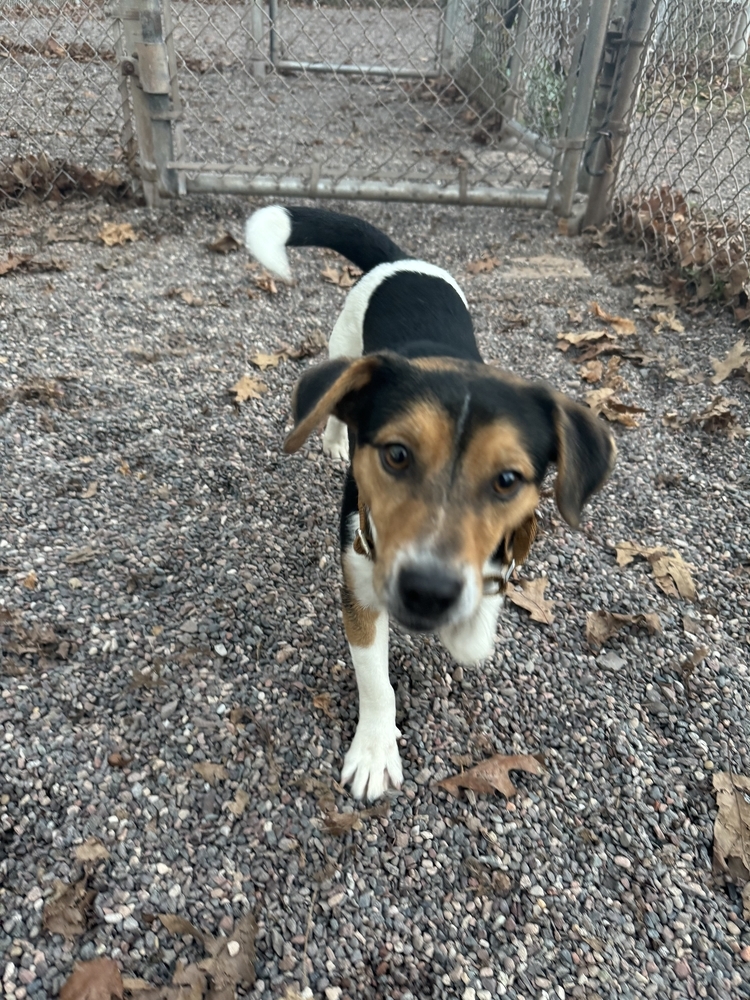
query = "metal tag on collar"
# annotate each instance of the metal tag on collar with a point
(497, 584)
(361, 546)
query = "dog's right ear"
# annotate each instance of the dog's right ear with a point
(320, 392)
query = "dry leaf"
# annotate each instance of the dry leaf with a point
(211, 772)
(718, 417)
(238, 806)
(224, 242)
(91, 850)
(13, 261)
(602, 625)
(575, 315)
(492, 775)
(737, 359)
(99, 979)
(654, 298)
(591, 343)
(344, 278)
(666, 321)
(323, 702)
(264, 361)
(531, 598)
(483, 265)
(117, 234)
(313, 344)
(30, 580)
(66, 912)
(90, 491)
(591, 371)
(232, 961)
(339, 823)
(605, 402)
(266, 283)
(179, 927)
(625, 327)
(248, 388)
(671, 572)
(732, 825)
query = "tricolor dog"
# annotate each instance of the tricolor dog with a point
(447, 457)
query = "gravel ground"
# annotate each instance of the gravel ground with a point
(185, 609)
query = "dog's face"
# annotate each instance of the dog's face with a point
(448, 458)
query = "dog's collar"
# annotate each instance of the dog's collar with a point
(517, 544)
(364, 543)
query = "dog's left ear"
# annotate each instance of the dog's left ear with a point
(321, 391)
(585, 456)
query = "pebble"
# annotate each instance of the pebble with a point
(681, 969)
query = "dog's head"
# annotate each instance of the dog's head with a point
(448, 458)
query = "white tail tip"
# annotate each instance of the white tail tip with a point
(266, 233)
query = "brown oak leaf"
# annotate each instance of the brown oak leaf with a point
(492, 775)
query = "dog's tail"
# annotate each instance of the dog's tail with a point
(269, 231)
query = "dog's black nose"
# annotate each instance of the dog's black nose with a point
(427, 593)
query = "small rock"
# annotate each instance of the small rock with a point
(220, 649)
(622, 862)
(333, 992)
(611, 660)
(681, 969)
(166, 710)
(745, 953)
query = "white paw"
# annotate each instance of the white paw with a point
(372, 763)
(336, 440)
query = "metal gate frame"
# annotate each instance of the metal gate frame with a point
(152, 112)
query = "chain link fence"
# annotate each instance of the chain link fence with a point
(566, 104)
(684, 179)
(439, 100)
(60, 99)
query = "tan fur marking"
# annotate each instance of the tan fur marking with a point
(359, 622)
(427, 431)
(441, 364)
(494, 448)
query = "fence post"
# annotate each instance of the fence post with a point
(146, 64)
(588, 70)
(614, 131)
(253, 23)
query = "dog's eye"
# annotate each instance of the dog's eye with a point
(395, 457)
(507, 482)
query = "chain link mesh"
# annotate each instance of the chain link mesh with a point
(60, 109)
(684, 182)
(362, 90)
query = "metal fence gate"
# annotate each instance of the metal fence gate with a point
(464, 101)
(566, 104)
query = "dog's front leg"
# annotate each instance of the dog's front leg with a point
(373, 760)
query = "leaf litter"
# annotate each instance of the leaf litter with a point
(603, 625)
(99, 979)
(248, 388)
(732, 825)
(737, 362)
(493, 775)
(671, 572)
(229, 965)
(531, 598)
(117, 234)
(67, 911)
(307, 348)
(345, 277)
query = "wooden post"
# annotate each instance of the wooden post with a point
(146, 65)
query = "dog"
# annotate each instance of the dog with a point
(446, 459)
